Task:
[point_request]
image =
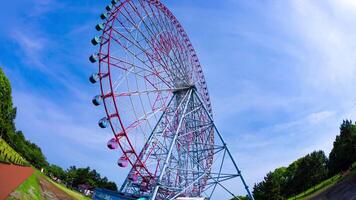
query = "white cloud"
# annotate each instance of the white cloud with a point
(40, 7)
(329, 43)
(317, 117)
(31, 48)
(344, 5)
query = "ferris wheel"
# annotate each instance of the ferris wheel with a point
(157, 104)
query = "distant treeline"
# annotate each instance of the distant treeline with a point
(72, 177)
(311, 169)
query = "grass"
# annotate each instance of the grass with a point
(28, 190)
(9, 155)
(322, 186)
(31, 189)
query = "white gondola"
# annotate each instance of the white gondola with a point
(104, 122)
(103, 16)
(97, 100)
(96, 40)
(94, 78)
(93, 58)
(109, 7)
(99, 27)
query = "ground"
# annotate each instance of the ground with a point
(18, 180)
(343, 190)
(50, 191)
(26, 183)
(11, 177)
(339, 187)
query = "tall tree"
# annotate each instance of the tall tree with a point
(343, 153)
(7, 112)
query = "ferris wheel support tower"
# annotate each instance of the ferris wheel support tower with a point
(157, 105)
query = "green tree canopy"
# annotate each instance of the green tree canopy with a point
(306, 172)
(343, 153)
(298, 176)
(78, 176)
(7, 111)
(56, 171)
(272, 185)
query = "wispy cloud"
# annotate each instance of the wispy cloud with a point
(41, 7)
(31, 48)
(330, 44)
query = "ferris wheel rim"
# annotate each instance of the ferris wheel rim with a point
(192, 53)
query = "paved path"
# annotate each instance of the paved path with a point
(52, 192)
(11, 176)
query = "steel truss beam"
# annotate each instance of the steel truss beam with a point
(180, 152)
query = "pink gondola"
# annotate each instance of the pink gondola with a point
(123, 162)
(133, 177)
(112, 144)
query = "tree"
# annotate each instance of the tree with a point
(30, 151)
(272, 186)
(298, 176)
(78, 176)
(7, 112)
(310, 170)
(241, 198)
(343, 153)
(56, 171)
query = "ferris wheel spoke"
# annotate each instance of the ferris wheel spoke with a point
(119, 61)
(158, 17)
(156, 73)
(132, 93)
(133, 54)
(158, 31)
(163, 20)
(147, 27)
(136, 43)
(140, 120)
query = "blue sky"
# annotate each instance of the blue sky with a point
(281, 76)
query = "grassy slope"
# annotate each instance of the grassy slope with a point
(9, 155)
(31, 189)
(317, 189)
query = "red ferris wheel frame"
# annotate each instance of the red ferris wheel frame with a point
(105, 60)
